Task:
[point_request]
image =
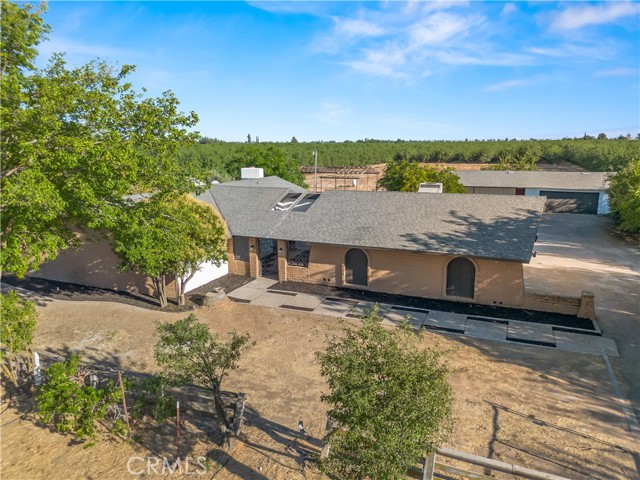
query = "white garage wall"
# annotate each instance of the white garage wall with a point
(206, 273)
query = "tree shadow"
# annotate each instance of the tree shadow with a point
(571, 397)
(199, 423)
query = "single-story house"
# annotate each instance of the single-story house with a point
(566, 192)
(446, 246)
(460, 247)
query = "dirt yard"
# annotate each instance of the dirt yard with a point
(535, 407)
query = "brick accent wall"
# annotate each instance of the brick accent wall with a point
(237, 267)
(582, 306)
(254, 259)
(552, 303)
(416, 274)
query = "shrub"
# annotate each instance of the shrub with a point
(70, 406)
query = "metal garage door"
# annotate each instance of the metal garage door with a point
(571, 202)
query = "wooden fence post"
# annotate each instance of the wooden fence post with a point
(429, 467)
(124, 403)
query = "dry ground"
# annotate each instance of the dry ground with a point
(536, 407)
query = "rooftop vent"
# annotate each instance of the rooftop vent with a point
(430, 188)
(251, 172)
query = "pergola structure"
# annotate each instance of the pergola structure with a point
(344, 173)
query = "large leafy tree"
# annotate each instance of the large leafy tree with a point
(624, 197)
(169, 236)
(405, 176)
(74, 142)
(389, 398)
(189, 353)
(17, 326)
(272, 159)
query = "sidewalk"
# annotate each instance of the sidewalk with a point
(257, 292)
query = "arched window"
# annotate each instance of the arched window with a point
(461, 278)
(356, 267)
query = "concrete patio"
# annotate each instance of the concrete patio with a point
(258, 292)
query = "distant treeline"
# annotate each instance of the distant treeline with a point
(221, 158)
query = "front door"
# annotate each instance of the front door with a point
(356, 267)
(268, 249)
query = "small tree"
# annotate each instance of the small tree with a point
(17, 324)
(65, 402)
(189, 353)
(405, 176)
(624, 197)
(389, 398)
(170, 236)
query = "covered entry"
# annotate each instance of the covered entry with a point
(461, 278)
(268, 250)
(356, 266)
(570, 202)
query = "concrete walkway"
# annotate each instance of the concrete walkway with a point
(575, 340)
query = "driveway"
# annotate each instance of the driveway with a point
(582, 252)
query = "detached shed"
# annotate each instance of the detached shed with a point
(566, 192)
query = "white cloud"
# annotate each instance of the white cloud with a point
(574, 18)
(508, 9)
(619, 72)
(333, 112)
(357, 27)
(384, 62)
(439, 28)
(488, 58)
(506, 85)
(601, 50)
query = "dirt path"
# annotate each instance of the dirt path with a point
(535, 407)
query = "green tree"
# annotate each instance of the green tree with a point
(405, 176)
(17, 325)
(624, 197)
(389, 398)
(74, 142)
(169, 235)
(71, 406)
(189, 353)
(273, 160)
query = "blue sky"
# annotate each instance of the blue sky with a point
(355, 70)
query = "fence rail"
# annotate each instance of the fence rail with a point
(431, 466)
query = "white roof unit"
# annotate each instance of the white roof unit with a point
(251, 172)
(425, 187)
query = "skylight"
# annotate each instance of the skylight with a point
(287, 202)
(305, 203)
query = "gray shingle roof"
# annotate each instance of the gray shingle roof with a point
(271, 181)
(489, 226)
(542, 180)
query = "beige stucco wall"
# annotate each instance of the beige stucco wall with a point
(408, 273)
(95, 265)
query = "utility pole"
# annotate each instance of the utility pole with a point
(315, 171)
